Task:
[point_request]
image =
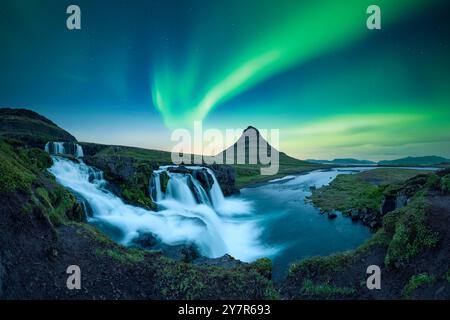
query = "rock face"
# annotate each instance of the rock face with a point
(398, 197)
(226, 177)
(30, 128)
(128, 178)
(204, 178)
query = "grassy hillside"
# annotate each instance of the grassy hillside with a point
(30, 128)
(360, 191)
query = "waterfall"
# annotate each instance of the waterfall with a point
(187, 213)
(79, 151)
(185, 187)
(64, 148)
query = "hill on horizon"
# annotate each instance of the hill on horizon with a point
(30, 127)
(249, 172)
(342, 161)
(424, 160)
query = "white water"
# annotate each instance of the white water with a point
(59, 148)
(216, 225)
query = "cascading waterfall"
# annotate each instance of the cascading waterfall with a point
(64, 148)
(187, 213)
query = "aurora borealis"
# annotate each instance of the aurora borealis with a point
(139, 69)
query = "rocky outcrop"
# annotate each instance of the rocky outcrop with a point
(332, 215)
(397, 196)
(226, 177)
(366, 216)
(224, 174)
(128, 177)
(204, 178)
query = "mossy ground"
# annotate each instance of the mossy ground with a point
(359, 191)
(325, 291)
(406, 236)
(417, 281)
(411, 235)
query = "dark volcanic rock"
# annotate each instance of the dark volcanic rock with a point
(332, 215)
(355, 214)
(146, 240)
(226, 177)
(179, 169)
(388, 205)
(204, 178)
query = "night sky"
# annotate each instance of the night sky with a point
(138, 69)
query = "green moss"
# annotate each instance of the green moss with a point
(59, 204)
(322, 265)
(447, 276)
(417, 281)
(36, 158)
(360, 191)
(15, 175)
(445, 184)
(185, 281)
(390, 176)
(164, 179)
(325, 290)
(433, 181)
(91, 232)
(138, 197)
(347, 192)
(122, 255)
(411, 234)
(264, 267)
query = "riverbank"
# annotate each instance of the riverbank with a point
(411, 247)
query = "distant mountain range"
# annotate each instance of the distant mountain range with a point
(426, 160)
(416, 161)
(344, 161)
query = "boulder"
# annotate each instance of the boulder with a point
(145, 240)
(355, 214)
(332, 215)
